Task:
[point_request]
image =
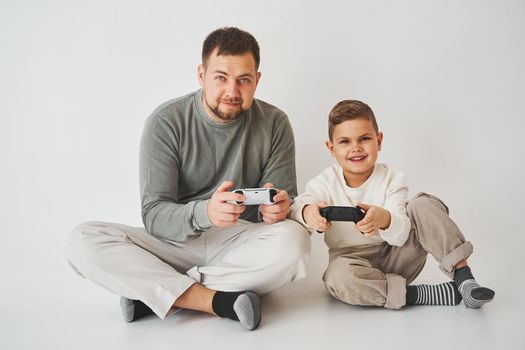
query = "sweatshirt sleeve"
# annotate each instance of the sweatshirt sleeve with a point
(280, 168)
(315, 191)
(396, 196)
(159, 167)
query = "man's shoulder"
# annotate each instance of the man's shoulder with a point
(173, 114)
(267, 111)
(175, 104)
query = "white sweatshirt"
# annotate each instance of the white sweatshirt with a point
(384, 188)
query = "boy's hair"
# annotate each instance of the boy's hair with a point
(349, 110)
(230, 41)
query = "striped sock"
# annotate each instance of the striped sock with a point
(440, 294)
(474, 296)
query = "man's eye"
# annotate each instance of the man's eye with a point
(343, 141)
(220, 77)
(366, 138)
(245, 81)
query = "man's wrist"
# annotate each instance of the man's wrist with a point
(201, 219)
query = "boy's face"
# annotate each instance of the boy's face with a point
(355, 145)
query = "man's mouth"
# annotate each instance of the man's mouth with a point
(232, 103)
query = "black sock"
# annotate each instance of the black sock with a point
(463, 274)
(440, 294)
(474, 296)
(222, 304)
(133, 310)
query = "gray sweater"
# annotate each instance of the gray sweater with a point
(185, 156)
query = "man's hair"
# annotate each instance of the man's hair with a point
(230, 41)
(349, 110)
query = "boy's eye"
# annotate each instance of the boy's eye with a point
(343, 141)
(366, 138)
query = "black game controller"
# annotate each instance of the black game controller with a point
(333, 213)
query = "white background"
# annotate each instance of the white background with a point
(446, 80)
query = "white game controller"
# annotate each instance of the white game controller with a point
(256, 196)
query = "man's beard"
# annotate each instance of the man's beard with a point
(226, 116)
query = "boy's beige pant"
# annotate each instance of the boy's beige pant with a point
(132, 263)
(378, 275)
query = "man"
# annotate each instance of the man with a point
(199, 251)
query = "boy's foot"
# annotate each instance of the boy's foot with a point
(132, 310)
(474, 296)
(440, 294)
(244, 307)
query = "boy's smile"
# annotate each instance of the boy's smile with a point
(355, 146)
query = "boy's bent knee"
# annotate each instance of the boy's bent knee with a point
(342, 283)
(424, 203)
(351, 284)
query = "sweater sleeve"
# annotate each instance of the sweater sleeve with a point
(280, 167)
(159, 167)
(396, 196)
(315, 191)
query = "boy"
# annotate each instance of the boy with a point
(373, 261)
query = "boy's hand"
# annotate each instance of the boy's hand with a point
(278, 211)
(376, 218)
(313, 218)
(222, 213)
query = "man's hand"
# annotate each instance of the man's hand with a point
(222, 213)
(278, 211)
(313, 218)
(376, 218)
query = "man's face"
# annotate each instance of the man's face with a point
(355, 145)
(228, 84)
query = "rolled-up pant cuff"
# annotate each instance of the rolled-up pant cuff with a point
(451, 259)
(169, 294)
(396, 291)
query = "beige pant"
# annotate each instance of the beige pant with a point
(132, 263)
(378, 275)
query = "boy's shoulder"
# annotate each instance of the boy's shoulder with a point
(380, 169)
(386, 171)
(333, 175)
(330, 173)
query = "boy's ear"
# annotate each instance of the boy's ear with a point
(330, 147)
(379, 140)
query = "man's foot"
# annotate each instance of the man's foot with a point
(244, 307)
(132, 310)
(440, 294)
(474, 296)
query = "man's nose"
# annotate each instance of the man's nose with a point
(232, 89)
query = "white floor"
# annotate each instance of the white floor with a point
(62, 311)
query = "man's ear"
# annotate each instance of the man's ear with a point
(201, 71)
(330, 147)
(257, 77)
(379, 140)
